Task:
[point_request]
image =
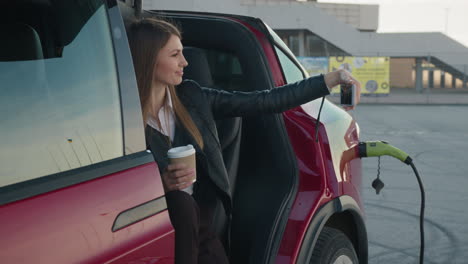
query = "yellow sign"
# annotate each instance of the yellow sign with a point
(372, 72)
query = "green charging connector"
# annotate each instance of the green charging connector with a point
(382, 148)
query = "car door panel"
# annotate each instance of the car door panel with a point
(74, 224)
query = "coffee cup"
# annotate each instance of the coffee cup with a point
(186, 155)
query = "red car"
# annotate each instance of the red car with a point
(77, 184)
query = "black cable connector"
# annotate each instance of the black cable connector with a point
(378, 184)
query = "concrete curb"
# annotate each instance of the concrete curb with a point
(456, 97)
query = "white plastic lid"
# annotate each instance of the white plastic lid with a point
(181, 152)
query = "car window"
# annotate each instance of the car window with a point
(226, 70)
(214, 68)
(61, 112)
(291, 71)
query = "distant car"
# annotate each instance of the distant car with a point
(77, 184)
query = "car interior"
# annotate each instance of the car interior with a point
(222, 54)
(23, 44)
(262, 178)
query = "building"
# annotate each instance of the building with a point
(420, 60)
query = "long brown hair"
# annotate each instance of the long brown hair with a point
(147, 37)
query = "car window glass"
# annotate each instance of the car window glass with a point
(62, 112)
(290, 69)
(225, 70)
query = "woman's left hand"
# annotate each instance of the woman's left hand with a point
(342, 76)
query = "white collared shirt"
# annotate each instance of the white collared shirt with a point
(166, 117)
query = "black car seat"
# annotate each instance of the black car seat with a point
(229, 129)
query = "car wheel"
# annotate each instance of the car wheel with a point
(333, 247)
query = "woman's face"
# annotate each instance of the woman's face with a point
(170, 63)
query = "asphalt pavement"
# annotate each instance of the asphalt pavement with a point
(436, 137)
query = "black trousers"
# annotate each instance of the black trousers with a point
(195, 240)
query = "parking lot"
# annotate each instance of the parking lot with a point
(436, 137)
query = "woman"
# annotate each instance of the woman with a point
(177, 113)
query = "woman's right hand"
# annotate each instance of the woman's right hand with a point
(178, 177)
(342, 76)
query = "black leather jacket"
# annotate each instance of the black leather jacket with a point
(205, 105)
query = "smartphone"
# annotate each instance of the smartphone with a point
(347, 94)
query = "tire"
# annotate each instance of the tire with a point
(333, 247)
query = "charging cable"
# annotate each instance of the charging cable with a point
(382, 148)
(317, 122)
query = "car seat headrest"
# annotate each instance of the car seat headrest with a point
(19, 42)
(198, 68)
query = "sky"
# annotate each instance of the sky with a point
(446, 16)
